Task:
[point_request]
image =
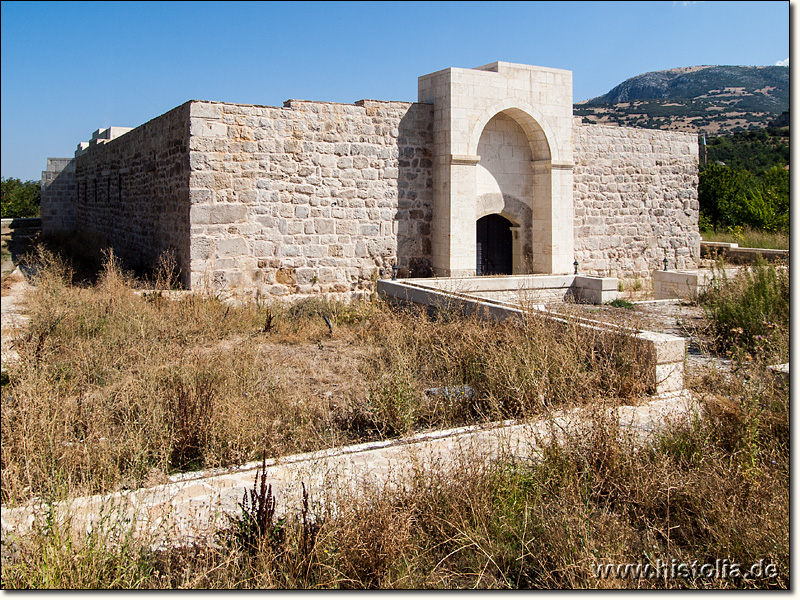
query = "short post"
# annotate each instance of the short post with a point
(575, 264)
(665, 263)
(395, 269)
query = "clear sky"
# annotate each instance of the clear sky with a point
(69, 68)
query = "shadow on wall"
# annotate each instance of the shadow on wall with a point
(134, 192)
(415, 191)
(20, 234)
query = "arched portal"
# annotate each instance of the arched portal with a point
(505, 184)
(523, 115)
(493, 244)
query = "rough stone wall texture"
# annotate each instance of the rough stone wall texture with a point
(58, 196)
(313, 197)
(635, 200)
(321, 198)
(133, 191)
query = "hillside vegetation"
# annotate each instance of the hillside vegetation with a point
(758, 150)
(706, 99)
(744, 185)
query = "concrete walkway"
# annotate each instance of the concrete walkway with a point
(13, 314)
(194, 506)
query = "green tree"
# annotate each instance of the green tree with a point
(720, 191)
(766, 206)
(20, 199)
(732, 197)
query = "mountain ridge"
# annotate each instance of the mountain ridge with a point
(712, 99)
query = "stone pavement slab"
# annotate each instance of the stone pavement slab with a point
(13, 314)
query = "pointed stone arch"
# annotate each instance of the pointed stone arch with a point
(544, 145)
(514, 177)
(465, 101)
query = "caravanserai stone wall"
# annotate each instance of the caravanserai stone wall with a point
(314, 197)
(133, 191)
(323, 198)
(635, 198)
(58, 187)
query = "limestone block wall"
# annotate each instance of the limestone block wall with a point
(635, 200)
(133, 191)
(58, 196)
(313, 197)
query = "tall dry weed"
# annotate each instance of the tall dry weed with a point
(748, 313)
(114, 386)
(716, 487)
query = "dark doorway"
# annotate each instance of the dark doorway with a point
(493, 246)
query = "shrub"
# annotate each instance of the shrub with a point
(734, 197)
(765, 209)
(621, 303)
(749, 313)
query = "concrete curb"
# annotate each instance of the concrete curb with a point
(196, 509)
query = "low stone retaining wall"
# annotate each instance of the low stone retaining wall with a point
(684, 284)
(663, 354)
(527, 288)
(195, 507)
(733, 253)
(21, 222)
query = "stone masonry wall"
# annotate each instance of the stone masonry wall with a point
(58, 196)
(133, 191)
(322, 198)
(314, 197)
(635, 195)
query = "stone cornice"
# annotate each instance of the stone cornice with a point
(547, 163)
(464, 159)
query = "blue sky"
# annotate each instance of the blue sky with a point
(69, 68)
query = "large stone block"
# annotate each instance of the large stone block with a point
(228, 213)
(206, 128)
(232, 247)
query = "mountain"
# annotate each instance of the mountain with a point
(715, 100)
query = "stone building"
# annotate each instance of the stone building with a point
(489, 172)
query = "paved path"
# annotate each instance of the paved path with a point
(13, 314)
(193, 506)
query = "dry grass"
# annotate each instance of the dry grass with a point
(714, 488)
(113, 389)
(748, 314)
(747, 237)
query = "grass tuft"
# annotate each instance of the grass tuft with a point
(115, 389)
(749, 313)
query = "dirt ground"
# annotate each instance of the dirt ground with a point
(674, 317)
